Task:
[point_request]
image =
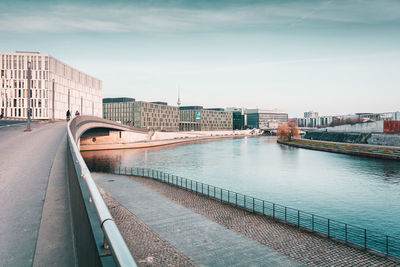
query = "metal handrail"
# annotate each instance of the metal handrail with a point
(347, 233)
(119, 249)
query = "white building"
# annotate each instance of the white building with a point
(265, 119)
(56, 88)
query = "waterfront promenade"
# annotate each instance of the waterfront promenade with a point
(35, 225)
(162, 230)
(198, 239)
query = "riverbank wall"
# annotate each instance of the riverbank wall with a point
(135, 140)
(374, 151)
(379, 139)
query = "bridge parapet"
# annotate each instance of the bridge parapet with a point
(98, 240)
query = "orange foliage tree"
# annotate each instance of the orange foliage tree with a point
(287, 131)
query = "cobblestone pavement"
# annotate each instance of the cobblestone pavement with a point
(304, 247)
(147, 247)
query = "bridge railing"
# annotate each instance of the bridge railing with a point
(98, 240)
(346, 233)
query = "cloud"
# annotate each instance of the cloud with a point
(131, 17)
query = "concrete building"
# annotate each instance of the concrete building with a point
(156, 116)
(153, 115)
(196, 118)
(265, 119)
(119, 109)
(55, 87)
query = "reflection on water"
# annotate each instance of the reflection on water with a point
(357, 190)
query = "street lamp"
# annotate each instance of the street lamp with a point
(29, 77)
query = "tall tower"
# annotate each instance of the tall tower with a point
(179, 97)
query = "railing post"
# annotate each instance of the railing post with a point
(345, 232)
(312, 218)
(329, 228)
(273, 211)
(285, 213)
(298, 219)
(365, 239)
(253, 204)
(196, 187)
(214, 191)
(208, 190)
(263, 207)
(228, 195)
(244, 201)
(125, 171)
(131, 171)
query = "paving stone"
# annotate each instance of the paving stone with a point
(304, 247)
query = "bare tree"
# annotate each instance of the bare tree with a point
(287, 131)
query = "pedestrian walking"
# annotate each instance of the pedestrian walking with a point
(68, 115)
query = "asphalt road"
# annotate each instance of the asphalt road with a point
(26, 159)
(10, 122)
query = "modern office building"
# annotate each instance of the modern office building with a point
(119, 109)
(196, 118)
(237, 118)
(55, 87)
(156, 116)
(265, 119)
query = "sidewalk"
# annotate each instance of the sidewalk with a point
(302, 246)
(32, 175)
(202, 240)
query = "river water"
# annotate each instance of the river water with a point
(361, 191)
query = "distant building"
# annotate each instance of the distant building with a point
(312, 121)
(195, 118)
(265, 119)
(156, 116)
(310, 114)
(160, 103)
(55, 87)
(119, 109)
(237, 117)
(142, 114)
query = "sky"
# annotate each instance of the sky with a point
(334, 57)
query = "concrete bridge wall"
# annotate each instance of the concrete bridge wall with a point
(98, 240)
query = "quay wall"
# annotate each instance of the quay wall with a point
(385, 152)
(126, 139)
(379, 139)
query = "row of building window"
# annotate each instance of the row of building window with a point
(21, 112)
(23, 84)
(23, 103)
(23, 74)
(20, 62)
(23, 93)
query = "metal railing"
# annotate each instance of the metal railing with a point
(112, 240)
(353, 235)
